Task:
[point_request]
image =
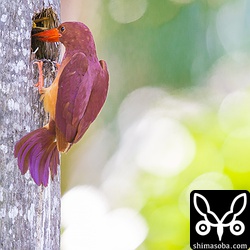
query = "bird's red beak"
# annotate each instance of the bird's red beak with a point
(51, 35)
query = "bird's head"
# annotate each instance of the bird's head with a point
(74, 36)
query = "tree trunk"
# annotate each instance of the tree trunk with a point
(29, 214)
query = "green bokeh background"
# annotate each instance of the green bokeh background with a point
(187, 61)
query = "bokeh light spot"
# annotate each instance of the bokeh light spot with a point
(137, 104)
(230, 24)
(82, 203)
(207, 181)
(126, 226)
(127, 11)
(89, 224)
(166, 147)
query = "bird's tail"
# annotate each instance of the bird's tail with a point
(37, 151)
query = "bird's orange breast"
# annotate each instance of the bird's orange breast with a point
(49, 99)
(50, 93)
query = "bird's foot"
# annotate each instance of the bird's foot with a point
(40, 83)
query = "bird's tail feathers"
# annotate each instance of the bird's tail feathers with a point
(37, 151)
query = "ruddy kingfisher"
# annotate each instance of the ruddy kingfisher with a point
(73, 101)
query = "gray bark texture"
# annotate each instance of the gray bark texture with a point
(29, 214)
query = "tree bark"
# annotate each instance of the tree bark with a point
(29, 214)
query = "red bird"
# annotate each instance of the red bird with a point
(73, 101)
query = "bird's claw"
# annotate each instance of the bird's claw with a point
(40, 83)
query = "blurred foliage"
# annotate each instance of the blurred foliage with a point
(167, 45)
(172, 62)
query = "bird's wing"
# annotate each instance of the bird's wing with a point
(74, 90)
(96, 100)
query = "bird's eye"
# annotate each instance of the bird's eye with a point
(62, 29)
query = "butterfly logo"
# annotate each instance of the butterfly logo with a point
(210, 219)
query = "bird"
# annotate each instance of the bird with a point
(73, 101)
